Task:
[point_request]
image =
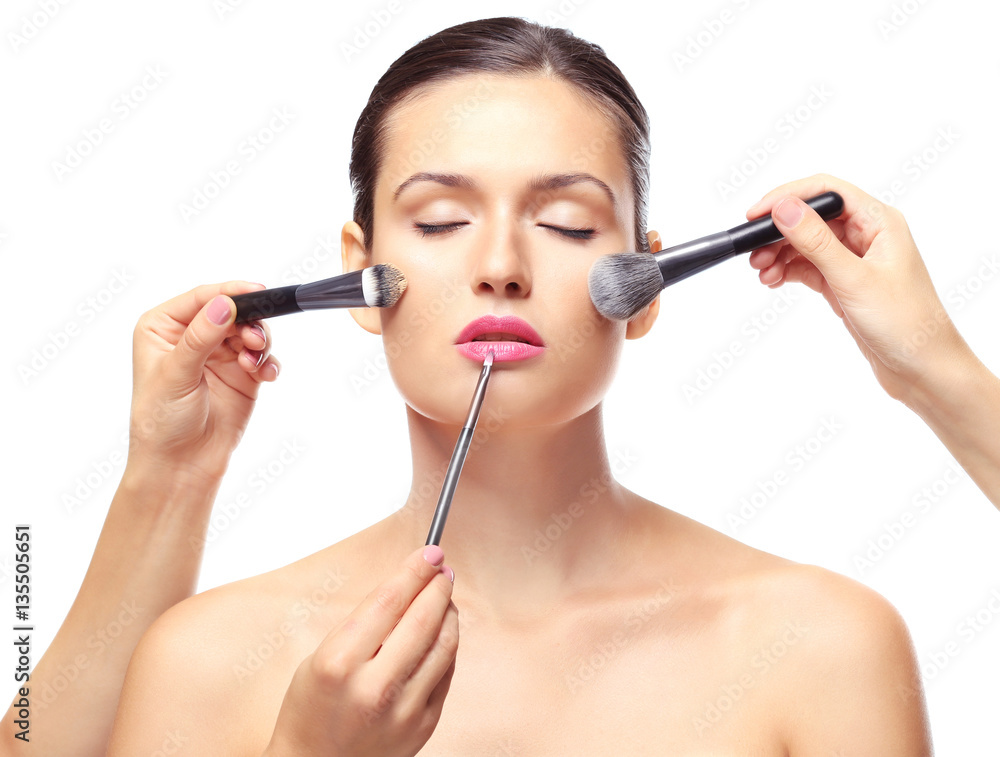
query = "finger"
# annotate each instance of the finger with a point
(252, 345)
(205, 332)
(855, 199)
(440, 658)
(764, 256)
(248, 364)
(435, 702)
(252, 360)
(814, 239)
(185, 306)
(253, 335)
(364, 630)
(416, 631)
(270, 370)
(773, 275)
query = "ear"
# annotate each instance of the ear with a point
(354, 257)
(642, 323)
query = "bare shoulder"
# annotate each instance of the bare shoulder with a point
(851, 658)
(830, 658)
(838, 618)
(840, 661)
(213, 669)
(757, 587)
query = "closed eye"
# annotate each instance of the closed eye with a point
(570, 233)
(429, 229)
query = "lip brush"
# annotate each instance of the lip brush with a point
(458, 456)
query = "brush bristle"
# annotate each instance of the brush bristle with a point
(622, 285)
(383, 285)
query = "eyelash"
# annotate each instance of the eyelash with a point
(571, 233)
(431, 229)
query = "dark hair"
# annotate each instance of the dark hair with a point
(501, 46)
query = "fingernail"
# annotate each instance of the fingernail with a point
(448, 572)
(276, 369)
(259, 331)
(256, 357)
(218, 311)
(433, 554)
(788, 211)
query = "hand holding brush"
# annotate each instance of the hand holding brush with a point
(622, 285)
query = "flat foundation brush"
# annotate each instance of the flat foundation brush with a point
(622, 285)
(378, 286)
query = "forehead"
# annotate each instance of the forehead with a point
(502, 129)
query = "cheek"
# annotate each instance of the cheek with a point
(427, 307)
(417, 334)
(582, 328)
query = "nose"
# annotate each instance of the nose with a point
(501, 262)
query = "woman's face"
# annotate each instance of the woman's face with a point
(494, 197)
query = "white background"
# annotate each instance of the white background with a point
(896, 75)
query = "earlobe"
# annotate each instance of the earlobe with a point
(354, 257)
(640, 325)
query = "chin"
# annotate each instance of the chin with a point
(511, 404)
(553, 388)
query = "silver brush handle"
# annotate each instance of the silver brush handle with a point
(458, 456)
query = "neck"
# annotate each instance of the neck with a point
(532, 509)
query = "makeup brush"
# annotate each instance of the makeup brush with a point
(458, 456)
(622, 285)
(378, 286)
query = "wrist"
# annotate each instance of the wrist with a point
(946, 384)
(156, 481)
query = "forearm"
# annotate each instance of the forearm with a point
(146, 560)
(961, 404)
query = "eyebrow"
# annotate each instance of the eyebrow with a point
(560, 180)
(544, 183)
(447, 179)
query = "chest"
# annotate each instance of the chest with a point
(606, 688)
(626, 683)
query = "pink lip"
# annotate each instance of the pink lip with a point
(503, 351)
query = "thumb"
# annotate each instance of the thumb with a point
(206, 331)
(803, 228)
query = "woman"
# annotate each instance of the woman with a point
(634, 631)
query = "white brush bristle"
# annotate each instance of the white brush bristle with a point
(383, 285)
(622, 285)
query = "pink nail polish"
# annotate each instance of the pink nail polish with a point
(448, 572)
(433, 554)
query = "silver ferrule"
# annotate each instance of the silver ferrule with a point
(344, 291)
(477, 398)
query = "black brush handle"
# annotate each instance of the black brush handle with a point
(266, 303)
(762, 231)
